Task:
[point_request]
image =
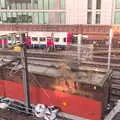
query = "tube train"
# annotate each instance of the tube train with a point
(43, 39)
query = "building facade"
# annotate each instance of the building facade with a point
(60, 12)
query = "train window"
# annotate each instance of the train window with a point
(64, 39)
(56, 39)
(34, 39)
(74, 40)
(42, 38)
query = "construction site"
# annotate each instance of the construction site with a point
(59, 60)
(81, 80)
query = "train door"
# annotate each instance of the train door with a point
(35, 42)
(60, 39)
(27, 41)
(50, 44)
(69, 39)
(3, 42)
(9, 41)
(43, 42)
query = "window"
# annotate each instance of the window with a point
(62, 18)
(98, 4)
(19, 6)
(30, 14)
(24, 6)
(117, 18)
(117, 4)
(12, 6)
(51, 4)
(56, 39)
(35, 4)
(3, 4)
(35, 18)
(29, 6)
(97, 18)
(89, 18)
(45, 4)
(64, 40)
(42, 39)
(74, 40)
(62, 4)
(40, 4)
(46, 18)
(4, 17)
(34, 39)
(41, 19)
(89, 4)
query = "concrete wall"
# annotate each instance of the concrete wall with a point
(107, 12)
(76, 11)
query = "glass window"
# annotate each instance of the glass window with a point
(3, 4)
(117, 18)
(40, 4)
(89, 4)
(8, 17)
(18, 6)
(56, 39)
(45, 4)
(24, 17)
(35, 4)
(34, 38)
(29, 5)
(51, 4)
(14, 14)
(42, 39)
(24, 6)
(98, 4)
(19, 19)
(89, 18)
(4, 17)
(0, 17)
(98, 18)
(64, 40)
(62, 4)
(35, 18)
(46, 18)
(62, 18)
(41, 19)
(117, 4)
(13, 6)
(30, 14)
(13, 17)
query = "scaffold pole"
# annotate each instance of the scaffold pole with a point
(25, 74)
(110, 47)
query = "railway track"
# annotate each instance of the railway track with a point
(65, 56)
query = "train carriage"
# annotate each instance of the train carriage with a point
(40, 39)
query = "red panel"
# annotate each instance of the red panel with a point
(2, 88)
(34, 94)
(0, 41)
(71, 104)
(14, 90)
